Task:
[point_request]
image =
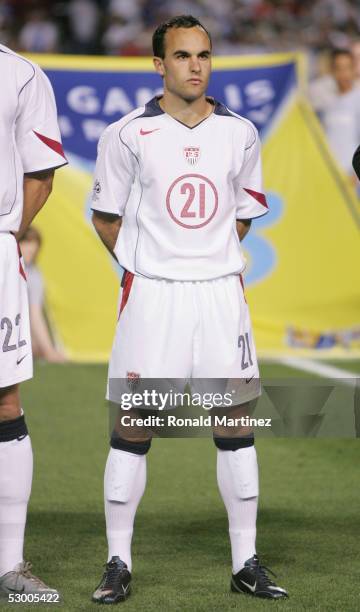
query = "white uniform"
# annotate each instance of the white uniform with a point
(29, 142)
(180, 191)
(341, 120)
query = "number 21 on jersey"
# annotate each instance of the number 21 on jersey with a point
(192, 201)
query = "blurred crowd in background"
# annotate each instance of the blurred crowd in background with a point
(125, 27)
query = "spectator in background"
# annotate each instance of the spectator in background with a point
(123, 29)
(322, 89)
(128, 11)
(42, 343)
(341, 115)
(6, 17)
(39, 34)
(238, 26)
(119, 34)
(83, 21)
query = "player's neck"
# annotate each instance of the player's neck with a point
(344, 88)
(189, 113)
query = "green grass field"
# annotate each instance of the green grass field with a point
(307, 526)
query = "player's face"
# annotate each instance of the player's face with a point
(344, 72)
(186, 66)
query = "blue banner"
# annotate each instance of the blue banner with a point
(88, 100)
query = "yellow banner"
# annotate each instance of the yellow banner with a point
(312, 298)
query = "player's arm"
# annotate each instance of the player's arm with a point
(242, 227)
(37, 188)
(107, 226)
(113, 179)
(250, 197)
(39, 143)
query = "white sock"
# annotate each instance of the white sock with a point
(16, 467)
(241, 512)
(124, 485)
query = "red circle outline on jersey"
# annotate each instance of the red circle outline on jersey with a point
(199, 176)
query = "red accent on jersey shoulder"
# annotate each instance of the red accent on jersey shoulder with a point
(260, 197)
(52, 144)
(145, 132)
(21, 269)
(126, 284)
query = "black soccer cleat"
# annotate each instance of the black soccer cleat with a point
(115, 585)
(253, 580)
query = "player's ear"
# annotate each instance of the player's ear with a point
(159, 66)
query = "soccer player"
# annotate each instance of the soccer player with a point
(177, 183)
(341, 115)
(30, 151)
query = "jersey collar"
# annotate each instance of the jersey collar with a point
(153, 108)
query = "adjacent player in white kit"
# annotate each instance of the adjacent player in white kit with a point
(31, 149)
(177, 183)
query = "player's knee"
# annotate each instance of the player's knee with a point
(234, 422)
(9, 403)
(13, 429)
(134, 446)
(240, 457)
(232, 443)
(131, 432)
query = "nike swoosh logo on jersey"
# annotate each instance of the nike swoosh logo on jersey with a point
(247, 380)
(145, 132)
(249, 586)
(20, 360)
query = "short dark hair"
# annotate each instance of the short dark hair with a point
(338, 52)
(181, 21)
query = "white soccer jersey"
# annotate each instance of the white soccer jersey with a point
(179, 191)
(29, 134)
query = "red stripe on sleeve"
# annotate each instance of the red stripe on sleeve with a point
(260, 197)
(52, 144)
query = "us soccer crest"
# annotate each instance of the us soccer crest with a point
(192, 155)
(133, 379)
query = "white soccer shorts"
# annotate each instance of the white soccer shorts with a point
(184, 330)
(16, 362)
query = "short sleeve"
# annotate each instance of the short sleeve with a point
(114, 173)
(250, 198)
(37, 132)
